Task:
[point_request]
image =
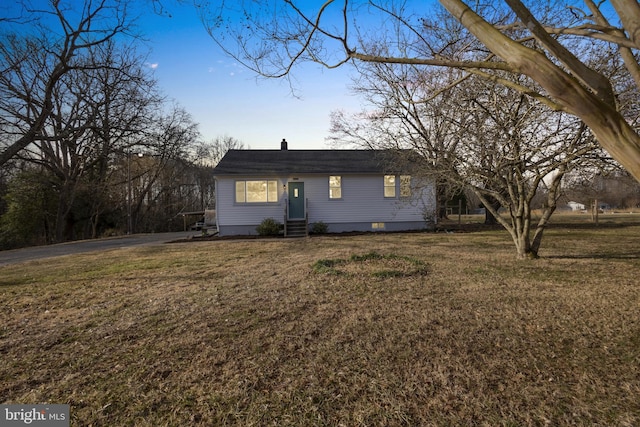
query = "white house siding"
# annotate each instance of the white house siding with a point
(243, 218)
(362, 204)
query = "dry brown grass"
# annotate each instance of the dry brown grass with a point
(250, 333)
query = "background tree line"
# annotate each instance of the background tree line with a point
(89, 145)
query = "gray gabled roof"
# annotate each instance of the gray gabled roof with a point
(288, 162)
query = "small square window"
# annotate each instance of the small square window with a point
(377, 225)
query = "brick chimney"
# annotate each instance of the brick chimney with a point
(283, 144)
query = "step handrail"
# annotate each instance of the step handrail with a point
(286, 215)
(306, 217)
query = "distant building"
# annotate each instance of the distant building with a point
(575, 206)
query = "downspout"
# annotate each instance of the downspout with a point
(215, 189)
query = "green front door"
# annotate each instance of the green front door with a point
(296, 200)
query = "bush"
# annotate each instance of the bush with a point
(319, 228)
(27, 198)
(269, 227)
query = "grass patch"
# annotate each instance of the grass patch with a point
(373, 264)
(228, 333)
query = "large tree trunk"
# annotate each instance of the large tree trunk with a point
(520, 232)
(62, 212)
(518, 226)
(489, 217)
(523, 246)
(550, 208)
(65, 221)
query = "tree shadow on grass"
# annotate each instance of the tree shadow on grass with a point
(625, 255)
(590, 225)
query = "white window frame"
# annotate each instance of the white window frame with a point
(335, 188)
(389, 189)
(270, 189)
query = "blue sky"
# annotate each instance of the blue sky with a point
(225, 98)
(228, 99)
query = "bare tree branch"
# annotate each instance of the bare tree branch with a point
(563, 59)
(87, 32)
(597, 82)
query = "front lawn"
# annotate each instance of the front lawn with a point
(385, 329)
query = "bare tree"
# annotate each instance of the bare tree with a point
(77, 107)
(158, 176)
(36, 53)
(490, 139)
(96, 111)
(125, 100)
(204, 157)
(550, 44)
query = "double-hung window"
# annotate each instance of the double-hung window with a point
(335, 187)
(389, 186)
(257, 191)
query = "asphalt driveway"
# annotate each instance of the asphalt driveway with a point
(39, 252)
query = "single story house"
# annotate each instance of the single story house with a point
(347, 190)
